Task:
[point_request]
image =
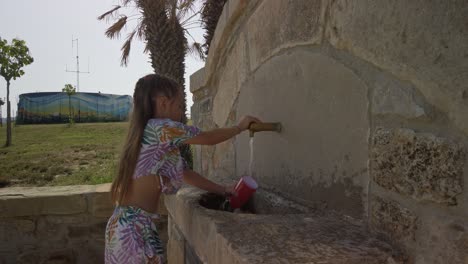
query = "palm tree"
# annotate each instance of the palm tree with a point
(210, 14)
(164, 25)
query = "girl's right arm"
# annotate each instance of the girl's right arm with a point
(219, 135)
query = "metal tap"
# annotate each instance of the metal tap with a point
(257, 127)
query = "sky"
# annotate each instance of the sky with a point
(48, 28)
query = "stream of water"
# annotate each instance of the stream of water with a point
(251, 156)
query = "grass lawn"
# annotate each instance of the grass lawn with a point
(61, 155)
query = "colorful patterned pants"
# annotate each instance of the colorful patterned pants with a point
(132, 237)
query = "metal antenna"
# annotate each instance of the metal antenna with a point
(77, 65)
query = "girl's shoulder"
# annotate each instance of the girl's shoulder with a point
(166, 125)
(163, 122)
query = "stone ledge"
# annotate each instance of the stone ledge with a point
(57, 200)
(197, 80)
(221, 237)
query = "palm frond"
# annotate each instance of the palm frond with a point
(210, 14)
(185, 7)
(126, 48)
(141, 30)
(114, 30)
(126, 2)
(196, 49)
(191, 20)
(109, 13)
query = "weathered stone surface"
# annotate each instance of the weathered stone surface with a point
(55, 256)
(53, 224)
(234, 73)
(25, 226)
(175, 245)
(70, 204)
(392, 97)
(100, 204)
(415, 52)
(225, 29)
(67, 219)
(393, 220)
(419, 165)
(424, 42)
(443, 240)
(27, 201)
(219, 237)
(324, 143)
(289, 23)
(86, 230)
(65, 256)
(224, 160)
(54, 233)
(197, 80)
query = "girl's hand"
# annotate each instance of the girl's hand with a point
(246, 121)
(229, 191)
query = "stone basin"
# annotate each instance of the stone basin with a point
(262, 202)
(275, 236)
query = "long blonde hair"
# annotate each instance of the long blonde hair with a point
(146, 90)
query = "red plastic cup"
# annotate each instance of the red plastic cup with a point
(245, 188)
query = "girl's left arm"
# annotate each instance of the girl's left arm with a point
(195, 179)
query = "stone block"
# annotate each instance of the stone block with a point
(86, 230)
(280, 23)
(396, 98)
(424, 42)
(224, 159)
(175, 245)
(419, 165)
(64, 256)
(25, 226)
(324, 141)
(66, 219)
(100, 204)
(162, 210)
(197, 80)
(393, 220)
(43, 205)
(443, 239)
(231, 77)
(205, 106)
(51, 232)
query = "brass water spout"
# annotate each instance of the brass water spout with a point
(257, 127)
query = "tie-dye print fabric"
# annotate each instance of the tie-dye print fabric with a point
(160, 153)
(132, 237)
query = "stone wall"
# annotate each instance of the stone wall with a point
(373, 99)
(56, 224)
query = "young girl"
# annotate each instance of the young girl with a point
(151, 164)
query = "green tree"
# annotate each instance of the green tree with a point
(70, 90)
(12, 59)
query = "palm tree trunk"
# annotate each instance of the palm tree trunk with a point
(8, 139)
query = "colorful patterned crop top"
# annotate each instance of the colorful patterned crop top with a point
(160, 155)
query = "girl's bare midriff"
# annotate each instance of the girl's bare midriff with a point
(144, 193)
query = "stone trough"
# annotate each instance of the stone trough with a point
(268, 230)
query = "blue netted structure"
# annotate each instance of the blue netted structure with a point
(54, 107)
